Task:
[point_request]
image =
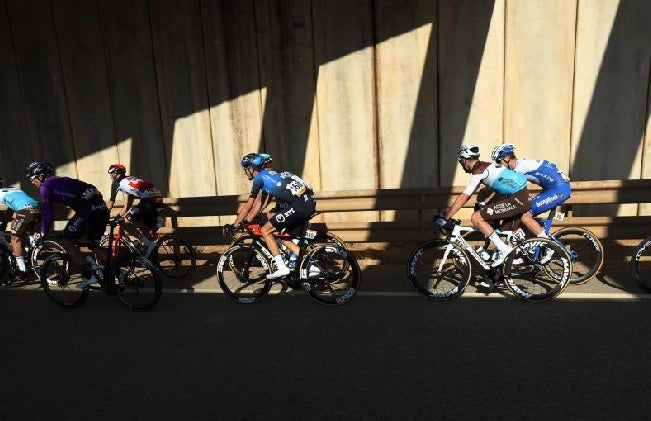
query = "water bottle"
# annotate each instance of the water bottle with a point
(292, 261)
(483, 253)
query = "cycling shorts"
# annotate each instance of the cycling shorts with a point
(24, 220)
(144, 213)
(292, 216)
(512, 205)
(89, 220)
(550, 198)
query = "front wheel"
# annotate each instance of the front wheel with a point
(60, 280)
(175, 257)
(138, 285)
(641, 264)
(538, 269)
(330, 274)
(439, 270)
(242, 271)
(585, 251)
(41, 251)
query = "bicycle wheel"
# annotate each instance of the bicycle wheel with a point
(60, 278)
(641, 264)
(138, 285)
(41, 251)
(242, 271)
(585, 251)
(4, 267)
(330, 274)
(439, 270)
(538, 269)
(175, 257)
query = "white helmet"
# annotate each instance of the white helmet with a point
(469, 151)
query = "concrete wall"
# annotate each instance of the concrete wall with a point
(350, 94)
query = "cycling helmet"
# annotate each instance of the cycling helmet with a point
(255, 160)
(469, 151)
(501, 151)
(39, 168)
(117, 169)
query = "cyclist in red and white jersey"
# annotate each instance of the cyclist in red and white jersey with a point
(144, 215)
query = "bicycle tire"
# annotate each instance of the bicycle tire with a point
(585, 250)
(59, 279)
(41, 251)
(641, 265)
(330, 274)
(242, 272)
(138, 284)
(439, 270)
(538, 269)
(174, 257)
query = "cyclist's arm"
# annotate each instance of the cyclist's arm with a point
(458, 204)
(47, 210)
(244, 212)
(127, 205)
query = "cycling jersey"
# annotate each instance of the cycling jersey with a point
(16, 199)
(555, 184)
(496, 177)
(91, 214)
(283, 186)
(136, 187)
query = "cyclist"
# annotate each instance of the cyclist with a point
(295, 204)
(511, 184)
(144, 215)
(90, 218)
(25, 212)
(555, 184)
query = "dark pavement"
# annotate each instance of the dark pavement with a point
(385, 355)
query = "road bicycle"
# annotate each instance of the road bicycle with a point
(131, 277)
(329, 273)
(35, 252)
(172, 255)
(641, 264)
(583, 247)
(537, 269)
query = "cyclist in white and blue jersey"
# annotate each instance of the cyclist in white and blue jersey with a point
(24, 210)
(554, 183)
(511, 185)
(295, 204)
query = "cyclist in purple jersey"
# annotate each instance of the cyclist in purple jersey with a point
(23, 212)
(295, 204)
(91, 214)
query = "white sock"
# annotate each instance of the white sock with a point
(280, 263)
(543, 234)
(499, 244)
(20, 261)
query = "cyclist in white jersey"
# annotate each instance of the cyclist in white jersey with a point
(24, 210)
(500, 179)
(555, 184)
(144, 215)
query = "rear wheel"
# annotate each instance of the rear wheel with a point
(641, 264)
(585, 251)
(138, 285)
(60, 280)
(538, 269)
(242, 272)
(41, 251)
(330, 274)
(175, 257)
(439, 270)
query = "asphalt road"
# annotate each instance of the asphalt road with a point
(386, 355)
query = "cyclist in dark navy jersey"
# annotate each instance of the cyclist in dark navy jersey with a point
(295, 204)
(91, 214)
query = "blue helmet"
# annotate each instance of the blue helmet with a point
(255, 160)
(501, 151)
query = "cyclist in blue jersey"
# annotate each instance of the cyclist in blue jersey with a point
(295, 204)
(554, 183)
(25, 212)
(511, 185)
(91, 214)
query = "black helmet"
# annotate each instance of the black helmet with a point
(39, 168)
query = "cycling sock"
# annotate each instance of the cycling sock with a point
(280, 263)
(543, 234)
(20, 261)
(499, 244)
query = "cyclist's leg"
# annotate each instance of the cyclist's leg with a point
(23, 220)
(547, 200)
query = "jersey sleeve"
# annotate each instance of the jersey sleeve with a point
(115, 187)
(256, 187)
(472, 185)
(47, 210)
